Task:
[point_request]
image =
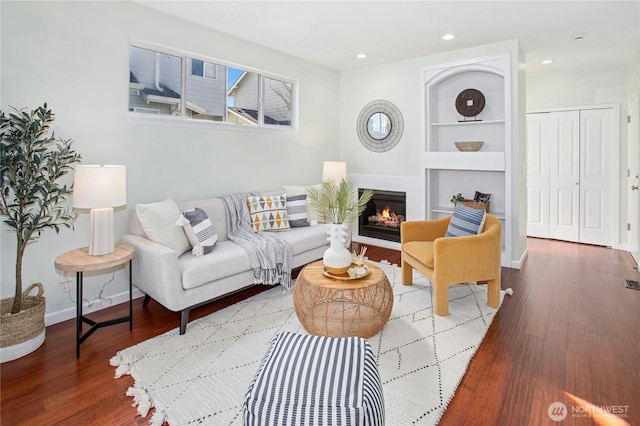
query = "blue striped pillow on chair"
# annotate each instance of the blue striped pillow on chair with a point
(465, 221)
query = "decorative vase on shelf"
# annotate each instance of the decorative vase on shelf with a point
(337, 259)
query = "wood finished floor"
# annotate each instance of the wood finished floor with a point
(570, 330)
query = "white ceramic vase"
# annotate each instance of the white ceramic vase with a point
(337, 258)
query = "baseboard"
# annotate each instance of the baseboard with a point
(523, 258)
(70, 313)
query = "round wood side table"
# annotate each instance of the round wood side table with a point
(339, 308)
(79, 261)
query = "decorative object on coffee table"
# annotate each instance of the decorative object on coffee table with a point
(33, 200)
(337, 258)
(335, 201)
(340, 308)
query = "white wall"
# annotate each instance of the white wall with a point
(400, 83)
(585, 87)
(75, 57)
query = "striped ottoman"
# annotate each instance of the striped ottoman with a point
(315, 380)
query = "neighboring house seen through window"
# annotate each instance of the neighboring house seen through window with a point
(214, 92)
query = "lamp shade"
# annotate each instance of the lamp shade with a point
(334, 171)
(99, 186)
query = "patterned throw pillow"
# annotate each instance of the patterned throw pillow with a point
(199, 229)
(297, 210)
(268, 213)
(465, 221)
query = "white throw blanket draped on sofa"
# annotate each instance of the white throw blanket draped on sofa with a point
(270, 256)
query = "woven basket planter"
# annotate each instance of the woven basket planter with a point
(23, 332)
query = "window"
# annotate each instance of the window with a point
(213, 91)
(155, 81)
(203, 69)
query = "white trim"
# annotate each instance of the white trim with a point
(177, 121)
(70, 313)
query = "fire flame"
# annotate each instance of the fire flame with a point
(385, 213)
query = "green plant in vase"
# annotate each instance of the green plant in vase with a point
(336, 202)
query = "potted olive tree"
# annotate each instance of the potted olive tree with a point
(33, 200)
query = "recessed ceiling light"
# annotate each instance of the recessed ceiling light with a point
(448, 37)
(361, 55)
(547, 61)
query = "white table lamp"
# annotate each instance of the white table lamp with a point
(334, 171)
(100, 188)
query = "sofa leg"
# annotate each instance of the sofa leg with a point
(493, 293)
(184, 319)
(146, 300)
(407, 273)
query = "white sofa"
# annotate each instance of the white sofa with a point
(182, 282)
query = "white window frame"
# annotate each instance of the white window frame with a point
(183, 120)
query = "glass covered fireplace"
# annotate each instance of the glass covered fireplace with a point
(383, 215)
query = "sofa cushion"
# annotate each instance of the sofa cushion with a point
(268, 213)
(304, 239)
(226, 259)
(158, 220)
(199, 230)
(297, 210)
(465, 221)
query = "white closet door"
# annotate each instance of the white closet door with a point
(538, 175)
(596, 176)
(564, 176)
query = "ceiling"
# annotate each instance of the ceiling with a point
(331, 33)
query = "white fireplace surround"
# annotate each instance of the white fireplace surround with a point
(408, 184)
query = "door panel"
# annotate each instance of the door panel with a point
(596, 176)
(564, 175)
(537, 175)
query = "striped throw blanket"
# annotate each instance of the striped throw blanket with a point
(270, 256)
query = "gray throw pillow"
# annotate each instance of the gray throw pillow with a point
(199, 229)
(297, 210)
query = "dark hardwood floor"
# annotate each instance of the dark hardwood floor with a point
(570, 333)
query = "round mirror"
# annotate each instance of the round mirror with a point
(379, 125)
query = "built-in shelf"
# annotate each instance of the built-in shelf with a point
(455, 160)
(448, 171)
(468, 123)
(449, 211)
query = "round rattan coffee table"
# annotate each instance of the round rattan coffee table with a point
(342, 307)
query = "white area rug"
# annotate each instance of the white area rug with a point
(202, 376)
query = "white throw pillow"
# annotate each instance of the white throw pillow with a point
(158, 220)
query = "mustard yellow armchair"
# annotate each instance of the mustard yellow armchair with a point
(452, 260)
